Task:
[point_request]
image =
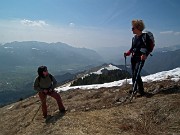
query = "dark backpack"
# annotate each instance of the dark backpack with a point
(152, 41)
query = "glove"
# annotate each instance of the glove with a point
(51, 90)
(143, 57)
(127, 53)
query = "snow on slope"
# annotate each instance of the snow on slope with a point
(164, 75)
(109, 67)
(100, 71)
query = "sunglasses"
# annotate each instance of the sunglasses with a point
(133, 28)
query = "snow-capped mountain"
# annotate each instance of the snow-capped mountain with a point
(106, 73)
(101, 70)
(164, 75)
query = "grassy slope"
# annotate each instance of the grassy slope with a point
(92, 112)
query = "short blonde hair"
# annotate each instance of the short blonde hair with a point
(139, 24)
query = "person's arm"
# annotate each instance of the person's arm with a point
(54, 82)
(36, 85)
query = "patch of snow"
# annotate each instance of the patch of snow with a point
(35, 49)
(173, 75)
(109, 67)
(8, 47)
(10, 107)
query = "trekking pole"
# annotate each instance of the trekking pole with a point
(135, 82)
(125, 69)
(36, 113)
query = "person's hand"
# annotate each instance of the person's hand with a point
(51, 90)
(127, 53)
(45, 91)
(143, 57)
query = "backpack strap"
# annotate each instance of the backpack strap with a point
(51, 77)
(133, 40)
(144, 38)
(39, 78)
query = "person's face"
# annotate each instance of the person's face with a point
(45, 73)
(134, 30)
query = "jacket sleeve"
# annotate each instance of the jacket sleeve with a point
(36, 85)
(131, 49)
(54, 82)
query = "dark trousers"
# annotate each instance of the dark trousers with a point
(53, 94)
(135, 65)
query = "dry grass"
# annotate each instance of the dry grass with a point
(94, 112)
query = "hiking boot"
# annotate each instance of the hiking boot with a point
(63, 111)
(140, 95)
(130, 92)
(47, 117)
(146, 94)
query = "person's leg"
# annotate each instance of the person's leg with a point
(133, 72)
(43, 97)
(139, 80)
(135, 67)
(56, 96)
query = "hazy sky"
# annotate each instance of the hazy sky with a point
(88, 23)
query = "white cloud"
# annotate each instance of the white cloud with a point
(167, 32)
(170, 32)
(71, 24)
(177, 33)
(38, 23)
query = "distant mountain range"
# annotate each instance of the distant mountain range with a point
(19, 62)
(32, 53)
(162, 61)
(112, 54)
(63, 57)
(167, 49)
(165, 58)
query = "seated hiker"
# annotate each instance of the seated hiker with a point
(44, 84)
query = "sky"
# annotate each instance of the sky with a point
(88, 23)
(173, 75)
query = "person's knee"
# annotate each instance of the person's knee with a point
(43, 101)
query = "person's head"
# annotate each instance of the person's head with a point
(137, 26)
(42, 71)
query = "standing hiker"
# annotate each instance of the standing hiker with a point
(139, 50)
(45, 84)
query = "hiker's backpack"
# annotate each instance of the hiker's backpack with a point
(150, 47)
